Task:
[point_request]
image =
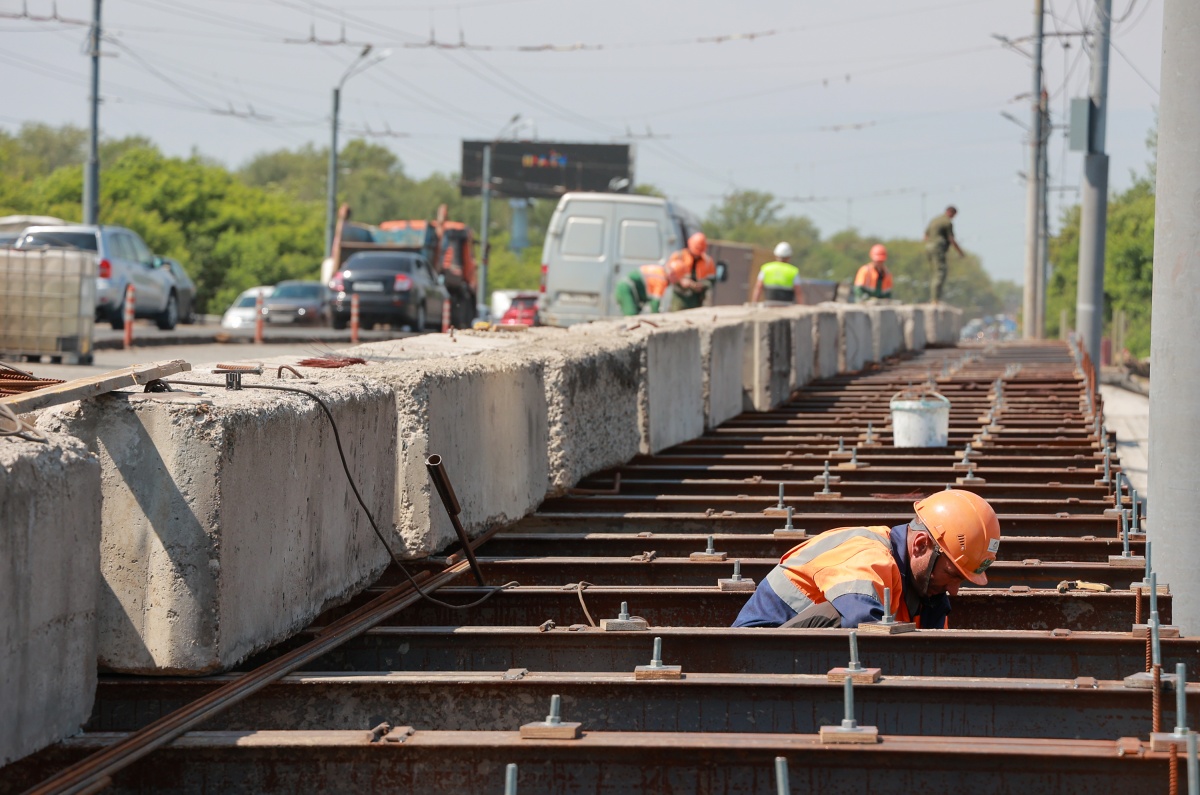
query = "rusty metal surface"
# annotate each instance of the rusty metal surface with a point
(617, 763)
(1024, 694)
(1051, 654)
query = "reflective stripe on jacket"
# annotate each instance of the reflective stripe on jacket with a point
(854, 562)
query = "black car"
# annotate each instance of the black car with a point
(394, 287)
(186, 291)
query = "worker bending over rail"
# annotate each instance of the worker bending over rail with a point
(641, 287)
(837, 578)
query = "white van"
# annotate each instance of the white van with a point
(594, 240)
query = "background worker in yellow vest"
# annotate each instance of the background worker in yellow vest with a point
(779, 280)
(644, 286)
(874, 280)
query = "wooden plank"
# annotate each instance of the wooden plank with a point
(81, 388)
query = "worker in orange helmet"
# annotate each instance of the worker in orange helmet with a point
(692, 273)
(874, 280)
(837, 579)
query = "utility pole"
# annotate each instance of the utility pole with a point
(331, 184)
(91, 172)
(485, 191)
(1033, 201)
(1043, 262)
(1175, 318)
(1089, 298)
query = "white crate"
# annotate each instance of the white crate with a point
(47, 303)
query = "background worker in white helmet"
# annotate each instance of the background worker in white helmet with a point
(779, 280)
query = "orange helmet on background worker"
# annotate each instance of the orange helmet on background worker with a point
(878, 253)
(965, 527)
(698, 244)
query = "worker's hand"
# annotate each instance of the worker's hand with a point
(688, 283)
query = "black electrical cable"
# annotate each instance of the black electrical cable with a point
(354, 487)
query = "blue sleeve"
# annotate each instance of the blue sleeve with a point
(933, 616)
(764, 609)
(857, 608)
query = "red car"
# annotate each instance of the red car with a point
(522, 311)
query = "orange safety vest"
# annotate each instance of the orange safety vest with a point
(868, 277)
(655, 279)
(684, 263)
(848, 560)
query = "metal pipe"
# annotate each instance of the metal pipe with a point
(441, 481)
(91, 171)
(1181, 724)
(848, 722)
(782, 784)
(854, 665)
(510, 779)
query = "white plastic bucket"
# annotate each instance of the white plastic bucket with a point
(920, 418)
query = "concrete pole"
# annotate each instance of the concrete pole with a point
(485, 190)
(91, 171)
(1033, 210)
(1089, 297)
(1175, 319)
(331, 200)
(1043, 260)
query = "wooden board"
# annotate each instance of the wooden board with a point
(623, 625)
(93, 385)
(867, 676)
(863, 735)
(895, 628)
(1131, 562)
(644, 672)
(546, 731)
(708, 556)
(744, 584)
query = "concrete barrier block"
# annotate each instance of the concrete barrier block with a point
(767, 366)
(723, 349)
(672, 400)
(804, 346)
(825, 330)
(591, 393)
(913, 321)
(486, 416)
(49, 581)
(857, 345)
(228, 524)
(887, 333)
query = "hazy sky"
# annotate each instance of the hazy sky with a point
(883, 111)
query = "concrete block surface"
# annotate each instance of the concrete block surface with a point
(767, 367)
(913, 321)
(804, 346)
(856, 341)
(887, 332)
(228, 522)
(672, 400)
(826, 344)
(49, 581)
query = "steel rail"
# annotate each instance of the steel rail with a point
(91, 773)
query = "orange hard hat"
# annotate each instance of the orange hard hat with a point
(965, 527)
(698, 244)
(878, 252)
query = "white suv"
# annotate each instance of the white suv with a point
(123, 261)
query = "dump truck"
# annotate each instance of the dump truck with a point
(448, 247)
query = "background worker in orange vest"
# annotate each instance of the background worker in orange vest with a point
(691, 272)
(837, 578)
(643, 286)
(874, 280)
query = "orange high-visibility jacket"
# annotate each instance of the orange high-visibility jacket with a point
(684, 263)
(848, 560)
(655, 279)
(868, 278)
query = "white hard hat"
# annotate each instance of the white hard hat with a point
(783, 250)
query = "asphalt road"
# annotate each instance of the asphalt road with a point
(205, 353)
(145, 333)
